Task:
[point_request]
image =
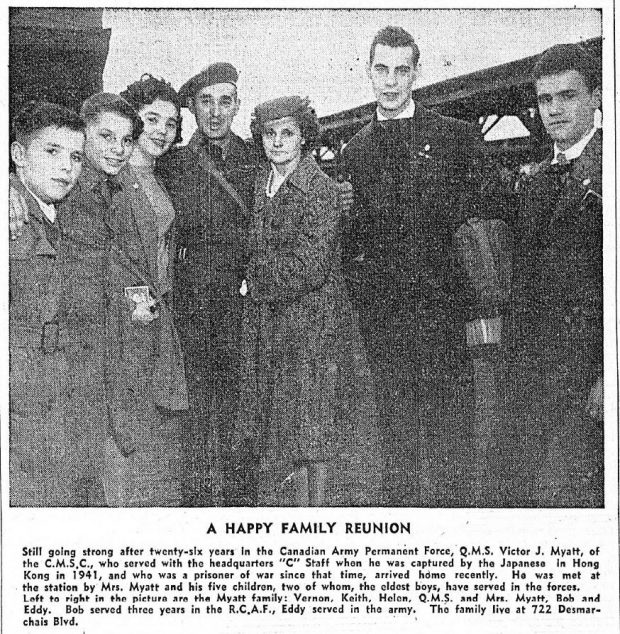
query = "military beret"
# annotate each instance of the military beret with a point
(216, 73)
(280, 108)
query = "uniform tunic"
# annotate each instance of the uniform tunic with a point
(212, 230)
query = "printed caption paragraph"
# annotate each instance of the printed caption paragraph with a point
(62, 586)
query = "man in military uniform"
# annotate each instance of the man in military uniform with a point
(210, 182)
(555, 438)
(410, 169)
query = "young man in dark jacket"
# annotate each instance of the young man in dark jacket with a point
(554, 418)
(411, 174)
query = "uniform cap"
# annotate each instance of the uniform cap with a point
(216, 73)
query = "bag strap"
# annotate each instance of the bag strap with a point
(209, 166)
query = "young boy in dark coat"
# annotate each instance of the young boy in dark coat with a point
(48, 152)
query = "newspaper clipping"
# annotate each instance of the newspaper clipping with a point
(310, 319)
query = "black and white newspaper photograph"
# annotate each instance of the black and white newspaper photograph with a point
(309, 318)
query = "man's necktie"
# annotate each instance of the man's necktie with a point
(216, 154)
(51, 231)
(562, 168)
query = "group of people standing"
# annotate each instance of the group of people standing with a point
(220, 324)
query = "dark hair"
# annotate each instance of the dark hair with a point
(149, 89)
(395, 37)
(564, 57)
(108, 102)
(34, 116)
(308, 124)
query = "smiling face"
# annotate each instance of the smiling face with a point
(392, 74)
(50, 163)
(566, 106)
(109, 142)
(215, 107)
(160, 128)
(283, 142)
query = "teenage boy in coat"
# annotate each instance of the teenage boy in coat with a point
(89, 257)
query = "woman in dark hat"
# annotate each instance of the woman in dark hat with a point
(307, 405)
(148, 377)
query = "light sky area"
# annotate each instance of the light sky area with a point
(322, 53)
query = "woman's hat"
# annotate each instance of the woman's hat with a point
(280, 108)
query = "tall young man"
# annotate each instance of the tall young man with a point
(410, 173)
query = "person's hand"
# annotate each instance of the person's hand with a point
(18, 213)
(594, 406)
(346, 195)
(144, 312)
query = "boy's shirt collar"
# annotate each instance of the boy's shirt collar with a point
(48, 209)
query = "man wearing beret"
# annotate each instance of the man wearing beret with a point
(210, 181)
(410, 173)
(554, 419)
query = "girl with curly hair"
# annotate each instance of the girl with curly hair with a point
(148, 380)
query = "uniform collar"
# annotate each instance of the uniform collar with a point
(201, 141)
(91, 177)
(407, 113)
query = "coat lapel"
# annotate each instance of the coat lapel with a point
(43, 245)
(144, 220)
(590, 164)
(585, 175)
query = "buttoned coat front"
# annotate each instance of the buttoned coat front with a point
(211, 231)
(147, 377)
(556, 327)
(414, 184)
(43, 462)
(557, 303)
(306, 390)
(415, 181)
(211, 234)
